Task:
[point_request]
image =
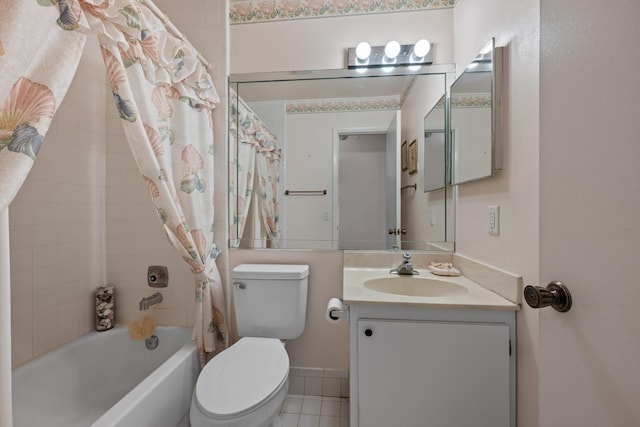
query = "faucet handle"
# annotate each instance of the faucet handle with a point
(406, 257)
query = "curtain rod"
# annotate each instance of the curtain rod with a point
(172, 28)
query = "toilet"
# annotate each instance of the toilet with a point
(245, 385)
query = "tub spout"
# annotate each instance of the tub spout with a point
(147, 302)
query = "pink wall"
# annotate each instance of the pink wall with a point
(323, 344)
(312, 44)
(516, 26)
(418, 206)
(320, 44)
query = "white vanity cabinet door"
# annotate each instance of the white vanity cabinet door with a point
(432, 374)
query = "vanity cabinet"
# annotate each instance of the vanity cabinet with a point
(422, 367)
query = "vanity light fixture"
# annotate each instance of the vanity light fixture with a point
(421, 48)
(363, 50)
(392, 54)
(391, 50)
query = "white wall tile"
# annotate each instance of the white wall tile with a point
(45, 331)
(313, 386)
(21, 306)
(311, 372)
(21, 283)
(21, 352)
(21, 260)
(62, 204)
(331, 387)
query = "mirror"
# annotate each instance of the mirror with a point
(475, 118)
(336, 182)
(435, 153)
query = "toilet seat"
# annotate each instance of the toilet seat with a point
(242, 377)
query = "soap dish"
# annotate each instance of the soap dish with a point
(443, 269)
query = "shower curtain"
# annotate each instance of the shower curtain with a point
(38, 58)
(164, 97)
(256, 152)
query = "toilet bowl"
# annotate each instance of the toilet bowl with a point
(244, 386)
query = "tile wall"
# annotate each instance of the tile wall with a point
(57, 222)
(135, 239)
(83, 219)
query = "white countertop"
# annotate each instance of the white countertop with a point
(476, 297)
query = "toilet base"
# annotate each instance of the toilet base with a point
(277, 422)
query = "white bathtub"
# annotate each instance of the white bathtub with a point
(106, 379)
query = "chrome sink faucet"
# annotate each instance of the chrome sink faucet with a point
(406, 268)
(147, 302)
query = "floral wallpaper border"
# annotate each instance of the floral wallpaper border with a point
(482, 100)
(343, 105)
(252, 11)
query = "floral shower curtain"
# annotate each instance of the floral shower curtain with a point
(39, 53)
(256, 152)
(164, 97)
(268, 168)
(243, 162)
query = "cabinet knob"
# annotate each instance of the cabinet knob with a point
(368, 332)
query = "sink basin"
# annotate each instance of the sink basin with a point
(414, 286)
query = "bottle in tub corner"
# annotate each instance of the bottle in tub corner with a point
(105, 310)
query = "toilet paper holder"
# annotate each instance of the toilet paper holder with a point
(337, 310)
(338, 314)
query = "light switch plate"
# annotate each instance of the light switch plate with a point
(494, 220)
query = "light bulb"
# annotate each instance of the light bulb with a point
(392, 49)
(363, 50)
(421, 48)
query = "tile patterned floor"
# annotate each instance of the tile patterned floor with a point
(315, 411)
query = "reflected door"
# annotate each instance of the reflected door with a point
(393, 168)
(362, 191)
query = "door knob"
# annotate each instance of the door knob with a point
(556, 294)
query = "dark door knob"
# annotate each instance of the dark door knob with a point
(368, 332)
(556, 294)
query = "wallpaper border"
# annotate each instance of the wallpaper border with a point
(343, 105)
(254, 11)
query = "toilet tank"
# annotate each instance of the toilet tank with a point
(270, 300)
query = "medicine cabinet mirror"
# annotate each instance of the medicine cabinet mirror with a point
(435, 148)
(475, 119)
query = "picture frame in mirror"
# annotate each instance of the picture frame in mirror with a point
(413, 157)
(404, 155)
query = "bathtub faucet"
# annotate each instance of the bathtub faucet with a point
(147, 302)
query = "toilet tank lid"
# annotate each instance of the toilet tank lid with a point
(271, 271)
